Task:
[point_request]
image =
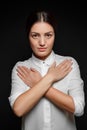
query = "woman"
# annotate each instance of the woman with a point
(47, 89)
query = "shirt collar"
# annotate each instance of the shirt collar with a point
(49, 60)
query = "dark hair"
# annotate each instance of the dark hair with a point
(38, 16)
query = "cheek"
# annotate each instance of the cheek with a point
(33, 47)
(33, 44)
(51, 43)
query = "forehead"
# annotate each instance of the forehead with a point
(41, 27)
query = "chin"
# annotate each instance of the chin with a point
(43, 56)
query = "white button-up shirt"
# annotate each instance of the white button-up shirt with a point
(45, 115)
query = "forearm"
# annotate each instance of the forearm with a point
(60, 99)
(26, 101)
(29, 99)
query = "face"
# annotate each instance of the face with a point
(41, 39)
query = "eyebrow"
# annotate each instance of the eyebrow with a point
(45, 33)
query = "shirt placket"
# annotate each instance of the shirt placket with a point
(46, 105)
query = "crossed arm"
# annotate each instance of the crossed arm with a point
(42, 86)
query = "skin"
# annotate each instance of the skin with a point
(41, 39)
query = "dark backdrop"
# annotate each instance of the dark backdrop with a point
(71, 40)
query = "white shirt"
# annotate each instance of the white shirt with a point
(45, 115)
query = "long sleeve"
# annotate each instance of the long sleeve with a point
(17, 85)
(76, 89)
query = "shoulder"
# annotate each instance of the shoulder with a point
(22, 63)
(60, 58)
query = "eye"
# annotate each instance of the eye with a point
(48, 35)
(35, 36)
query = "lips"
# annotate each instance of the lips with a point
(41, 49)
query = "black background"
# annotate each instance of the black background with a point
(71, 40)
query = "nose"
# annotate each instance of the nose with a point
(42, 41)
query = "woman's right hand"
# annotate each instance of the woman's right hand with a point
(29, 76)
(58, 72)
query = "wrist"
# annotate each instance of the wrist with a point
(49, 78)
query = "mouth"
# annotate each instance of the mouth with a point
(42, 49)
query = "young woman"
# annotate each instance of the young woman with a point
(47, 89)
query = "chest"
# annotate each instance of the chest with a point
(61, 85)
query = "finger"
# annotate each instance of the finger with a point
(67, 71)
(22, 77)
(54, 64)
(23, 69)
(65, 63)
(33, 69)
(20, 74)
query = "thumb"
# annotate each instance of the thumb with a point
(53, 64)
